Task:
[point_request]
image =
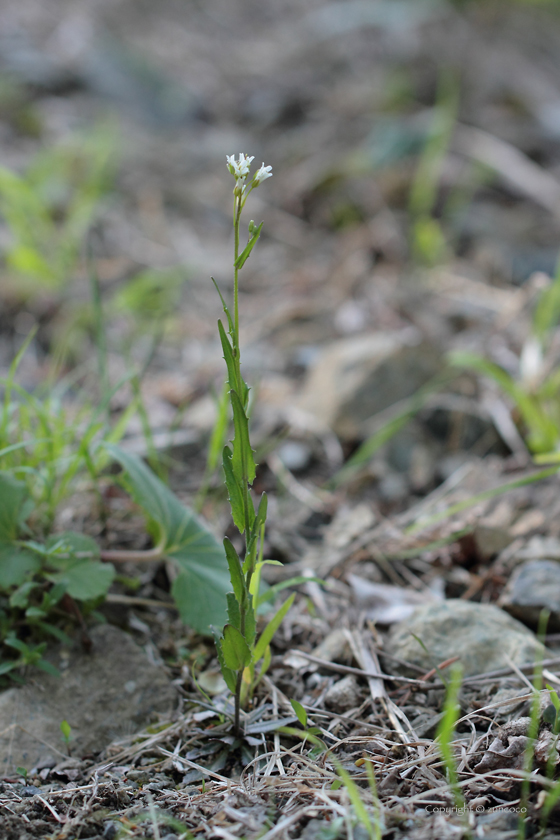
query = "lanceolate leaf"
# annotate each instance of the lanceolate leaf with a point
(243, 462)
(268, 633)
(201, 586)
(250, 623)
(235, 492)
(260, 520)
(300, 712)
(234, 614)
(236, 575)
(226, 310)
(235, 649)
(228, 357)
(243, 256)
(228, 675)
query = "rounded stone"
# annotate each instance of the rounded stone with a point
(482, 636)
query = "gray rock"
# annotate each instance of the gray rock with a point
(534, 586)
(481, 635)
(343, 695)
(490, 540)
(539, 548)
(108, 693)
(353, 379)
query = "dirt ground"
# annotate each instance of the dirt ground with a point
(341, 99)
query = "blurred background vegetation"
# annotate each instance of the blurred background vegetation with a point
(415, 146)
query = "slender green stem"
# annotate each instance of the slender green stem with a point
(236, 220)
(237, 357)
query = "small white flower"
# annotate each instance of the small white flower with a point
(239, 168)
(263, 173)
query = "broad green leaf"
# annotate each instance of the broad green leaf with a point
(12, 496)
(237, 654)
(66, 548)
(201, 586)
(235, 573)
(228, 675)
(271, 628)
(235, 493)
(85, 580)
(243, 462)
(300, 712)
(16, 564)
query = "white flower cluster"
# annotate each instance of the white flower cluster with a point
(241, 168)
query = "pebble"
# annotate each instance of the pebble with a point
(295, 455)
(343, 695)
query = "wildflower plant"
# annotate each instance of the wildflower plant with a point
(238, 649)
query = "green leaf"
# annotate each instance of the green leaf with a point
(228, 675)
(16, 564)
(271, 628)
(226, 310)
(13, 642)
(301, 714)
(228, 358)
(85, 580)
(66, 730)
(200, 588)
(47, 667)
(235, 493)
(35, 613)
(260, 518)
(67, 548)
(250, 623)
(234, 613)
(243, 462)
(235, 573)
(237, 654)
(20, 598)
(12, 496)
(244, 255)
(273, 591)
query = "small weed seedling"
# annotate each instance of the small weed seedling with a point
(445, 735)
(66, 730)
(238, 649)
